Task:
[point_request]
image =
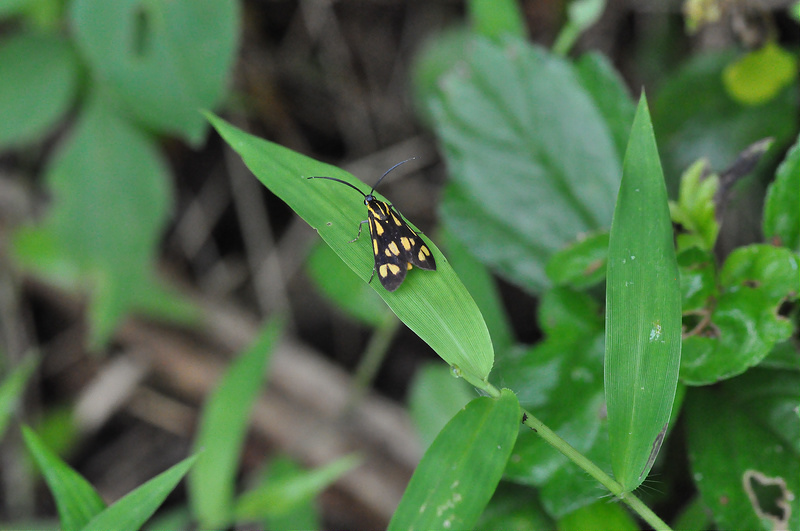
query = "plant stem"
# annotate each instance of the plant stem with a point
(372, 359)
(586, 464)
(596, 472)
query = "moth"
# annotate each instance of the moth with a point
(395, 245)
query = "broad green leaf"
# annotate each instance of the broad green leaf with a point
(437, 56)
(433, 304)
(11, 388)
(532, 159)
(643, 311)
(610, 94)
(744, 448)
(559, 380)
(582, 264)
(136, 507)
(698, 284)
(110, 201)
(695, 209)
(496, 18)
(693, 517)
(435, 396)
(460, 471)
(569, 313)
(75, 498)
(695, 117)
(782, 207)
(744, 324)
(757, 77)
(515, 507)
(339, 284)
(277, 496)
(785, 355)
(599, 515)
(164, 59)
(483, 288)
(38, 81)
(223, 426)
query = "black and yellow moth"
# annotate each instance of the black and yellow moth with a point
(395, 245)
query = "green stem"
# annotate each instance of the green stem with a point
(586, 464)
(593, 470)
(373, 357)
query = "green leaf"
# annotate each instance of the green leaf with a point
(698, 283)
(76, 499)
(582, 264)
(136, 507)
(483, 288)
(515, 507)
(278, 496)
(599, 515)
(760, 75)
(435, 396)
(695, 209)
(339, 284)
(38, 81)
(643, 311)
(496, 18)
(433, 304)
(561, 380)
(304, 515)
(610, 94)
(567, 312)
(109, 186)
(710, 124)
(532, 160)
(782, 207)
(223, 426)
(744, 324)
(744, 448)
(11, 388)
(460, 471)
(164, 60)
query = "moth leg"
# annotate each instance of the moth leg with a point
(371, 276)
(360, 226)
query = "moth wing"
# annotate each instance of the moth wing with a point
(413, 247)
(391, 264)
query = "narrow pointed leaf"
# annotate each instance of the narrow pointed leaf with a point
(643, 311)
(76, 499)
(222, 429)
(281, 495)
(434, 304)
(12, 387)
(133, 510)
(460, 471)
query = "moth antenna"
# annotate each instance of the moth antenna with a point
(339, 181)
(387, 173)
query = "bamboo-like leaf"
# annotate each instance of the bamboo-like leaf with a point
(434, 304)
(643, 311)
(461, 470)
(136, 507)
(223, 426)
(76, 499)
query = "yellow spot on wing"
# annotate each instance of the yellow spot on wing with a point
(393, 247)
(406, 243)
